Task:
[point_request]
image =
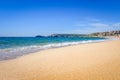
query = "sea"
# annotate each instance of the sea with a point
(13, 47)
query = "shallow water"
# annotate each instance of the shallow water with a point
(12, 47)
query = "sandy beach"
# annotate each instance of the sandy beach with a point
(93, 61)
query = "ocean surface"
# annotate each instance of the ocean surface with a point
(12, 47)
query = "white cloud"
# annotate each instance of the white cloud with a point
(99, 25)
(89, 25)
(116, 25)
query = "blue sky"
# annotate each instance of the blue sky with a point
(44, 17)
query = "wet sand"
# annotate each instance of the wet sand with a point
(93, 61)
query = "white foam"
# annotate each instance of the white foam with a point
(14, 52)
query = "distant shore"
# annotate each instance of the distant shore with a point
(94, 61)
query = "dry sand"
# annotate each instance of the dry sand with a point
(94, 61)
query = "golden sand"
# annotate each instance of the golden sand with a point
(94, 61)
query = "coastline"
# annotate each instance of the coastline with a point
(12, 53)
(93, 61)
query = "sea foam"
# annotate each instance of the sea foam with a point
(10, 53)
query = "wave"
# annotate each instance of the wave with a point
(19, 51)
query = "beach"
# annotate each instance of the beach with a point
(92, 61)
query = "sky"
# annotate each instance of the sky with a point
(44, 17)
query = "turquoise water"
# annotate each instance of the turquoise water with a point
(11, 47)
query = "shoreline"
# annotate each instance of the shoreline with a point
(14, 55)
(50, 49)
(94, 61)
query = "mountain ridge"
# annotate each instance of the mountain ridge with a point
(97, 34)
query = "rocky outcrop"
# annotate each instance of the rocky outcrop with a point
(63, 35)
(98, 34)
(111, 33)
(39, 36)
(67, 35)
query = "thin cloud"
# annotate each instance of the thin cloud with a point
(99, 25)
(116, 25)
(90, 27)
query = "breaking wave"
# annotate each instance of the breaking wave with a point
(10, 53)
